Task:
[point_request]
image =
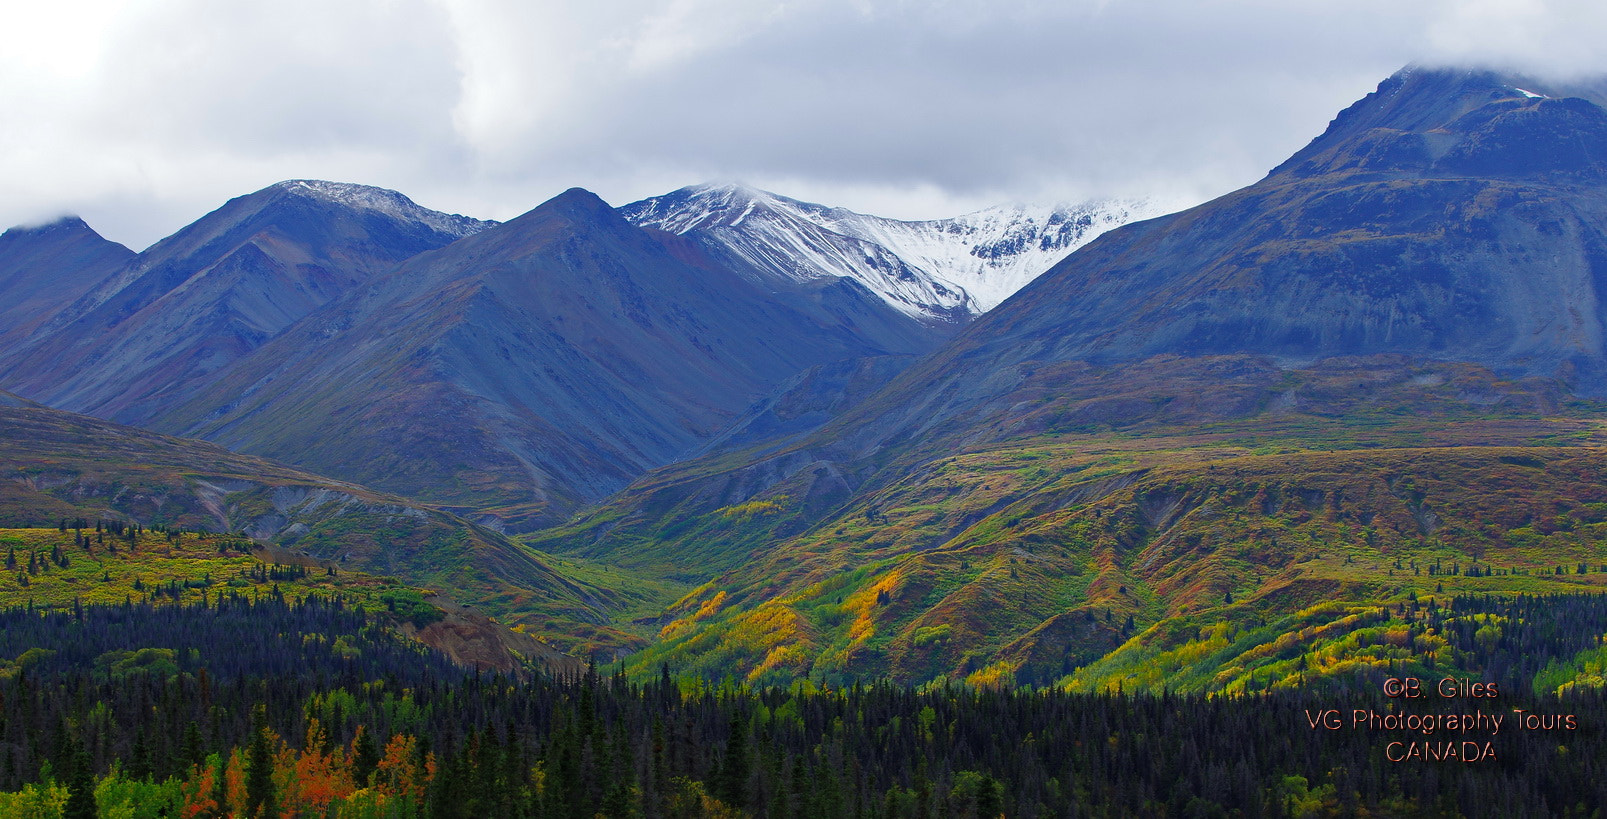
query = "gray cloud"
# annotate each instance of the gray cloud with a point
(142, 119)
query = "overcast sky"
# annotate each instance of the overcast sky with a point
(142, 117)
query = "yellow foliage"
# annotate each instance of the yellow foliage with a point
(864, 626)
(753, 508)
(768, 626)
(795, 655)
(998, 675)
(708, 608)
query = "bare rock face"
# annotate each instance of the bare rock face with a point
(471, 639)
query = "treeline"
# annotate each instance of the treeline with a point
(312, 709)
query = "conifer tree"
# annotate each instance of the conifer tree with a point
(732, 785)
(260, 794)
(79, 779)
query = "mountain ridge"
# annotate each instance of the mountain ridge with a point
(944, 270)
(214, 291)
(44, 268)
(644, 349)
(61, 465)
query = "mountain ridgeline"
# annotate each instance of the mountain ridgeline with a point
(518, 371)
(1347, 250)
(533, 367)
(170, 318)
(1385, 356)
(1428, 272)
(945, 270)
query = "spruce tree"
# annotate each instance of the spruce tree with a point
(732, 785)
(365, 757)
(260, 796)
(80, 786)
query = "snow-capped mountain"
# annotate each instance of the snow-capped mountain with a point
(944, 269)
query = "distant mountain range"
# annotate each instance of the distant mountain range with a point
(169, 319)
(519, 375)
(534, 366)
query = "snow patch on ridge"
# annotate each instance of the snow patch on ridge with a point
(388, 202)
(935, 269)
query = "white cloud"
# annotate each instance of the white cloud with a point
(144, 116)
(1560, 38)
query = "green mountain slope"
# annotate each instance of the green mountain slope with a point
(56, 465)
(1023, 563)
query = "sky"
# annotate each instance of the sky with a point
(142, 117)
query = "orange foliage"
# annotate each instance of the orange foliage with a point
(235, 783)
(398, 773)
(312, 782)
(314, 779)
(197, 790)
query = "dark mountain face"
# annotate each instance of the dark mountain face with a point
(174, 315)
(535, 365)
(1411, 228)
(1449, 216)
(45, 268)
(1413, 239)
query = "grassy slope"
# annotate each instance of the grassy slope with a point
(48, 568)
(166, 570)
(56, 465)
(1024, 561)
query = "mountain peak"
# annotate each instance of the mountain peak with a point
(579, 199)
(731, 192)
(576, 206)
(703, 206)
(69, 223)
(1461, 121)
(383, 200)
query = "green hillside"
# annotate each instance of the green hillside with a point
(56, 568)
(56, 465)
(1030, 561)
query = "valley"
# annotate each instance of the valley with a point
(731, 467)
